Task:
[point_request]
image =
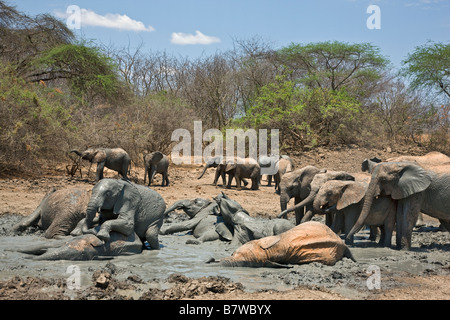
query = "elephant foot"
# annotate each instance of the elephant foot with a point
(103, 235)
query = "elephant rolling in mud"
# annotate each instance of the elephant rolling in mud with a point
(58, 213)
(308, 242)
(115, 159)
(156, 162)
(87, 247)
(415, 189)
(245, 227)
(126, 208)
(205, 221)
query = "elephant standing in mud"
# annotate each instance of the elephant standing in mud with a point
(87, 247)
(154, 163)
(316, 182)
(297, 184)
(205, 221)
(308, 242)
(126, 208)
(345, 199)
(237, 168)
(115, 159)
(245, 227)
(58, 213)
(415, 189)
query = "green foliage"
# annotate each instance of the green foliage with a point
(89, 71)
(429, 66)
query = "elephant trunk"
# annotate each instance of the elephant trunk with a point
(308, 200)
(78, 153)
(180, 204)
(92, 208)
(204, 170)
(367, 205)
(284, 199)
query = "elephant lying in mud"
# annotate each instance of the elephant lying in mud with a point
(245, 227)
(87, 247)
(205, 222)
(308, 242)
(58, 213)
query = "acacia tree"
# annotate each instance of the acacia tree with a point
(429, 67)
(333, 65)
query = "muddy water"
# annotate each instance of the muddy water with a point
(430, 254)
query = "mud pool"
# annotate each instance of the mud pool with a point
(430, 255)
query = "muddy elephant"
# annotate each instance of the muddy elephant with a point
(317, 181)
(115, 159)
(245, 227)
(124, 207)
(58, 213)
(345, 199)
(308, 242)
(415, 189)
(87, 247)
(297, 184)
(205, 221)
(154, 163)
(237, 168)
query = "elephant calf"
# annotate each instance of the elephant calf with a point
(156, 162)
(308, 242)
(88, 247)
(58, 213)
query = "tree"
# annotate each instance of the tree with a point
(333, 65)
(429, 67)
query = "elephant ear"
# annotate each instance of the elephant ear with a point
(413, 179)
(352, 193)
(156, 157)
(127, 200)
(230, 166)
(267, 242)
(100, 156)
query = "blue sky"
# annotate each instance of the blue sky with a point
(209, 25)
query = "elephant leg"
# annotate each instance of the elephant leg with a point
(152, 175)
(99, 173)
(269, 180)
(238, 181)
(166, 177)
(151, 235)
(255, 184)
(121, 225)
(209, 235)
(407, 214)
(445, 224)
(299, 212)
(388, 228)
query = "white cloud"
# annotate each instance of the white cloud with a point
(187, 38)
(109, 20)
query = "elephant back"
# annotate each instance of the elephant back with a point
(150, 210)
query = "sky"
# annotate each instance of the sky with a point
(195, 28)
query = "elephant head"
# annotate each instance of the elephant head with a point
(369, 164)
(228, 208)
(318, 180)
(336, 194)
(92, 155)
(398, 180)
(190, 207)
(153, 158)
(111, 198)
(211, 163)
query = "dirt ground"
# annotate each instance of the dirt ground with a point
(20, 195)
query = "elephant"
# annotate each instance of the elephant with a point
(297, 184)
(308, 242)
(87, 247)
(283, 166)
(58, 213)
(368, 164)
(124, 207)
(205, 221)
(156, 162)
(219, 164)
(317, 181)
(415, 189)
(115, 159)
(239, 168)
(245, 227)
(345, 199)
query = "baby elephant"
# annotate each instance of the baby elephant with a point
(308, 242)
(88, 247)
(156, 162)
(58, 213)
